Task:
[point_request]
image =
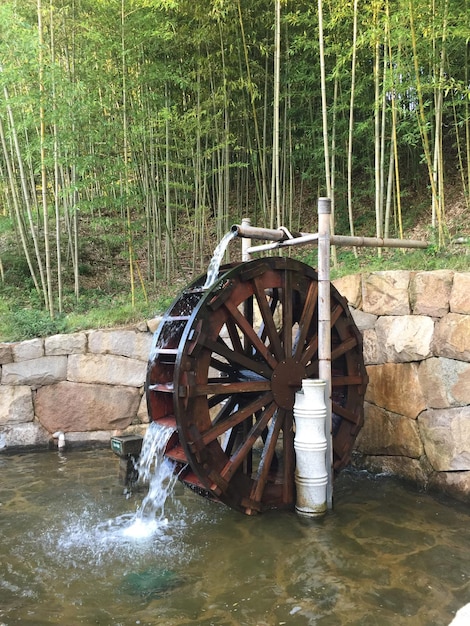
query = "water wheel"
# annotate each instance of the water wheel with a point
(224, 368)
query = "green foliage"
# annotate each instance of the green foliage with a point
(159, 128)
(95, 309)
(22, 324)
(454, 257)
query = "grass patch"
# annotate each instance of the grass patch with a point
(456, 258)
(93, 310)
(22, 315)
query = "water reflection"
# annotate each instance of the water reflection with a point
(386, 555)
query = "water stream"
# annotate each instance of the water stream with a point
(214, 265)
(386, 555)
(157, 473)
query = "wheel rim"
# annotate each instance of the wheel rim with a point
(239, 352)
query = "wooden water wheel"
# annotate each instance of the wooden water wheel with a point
(224, 368)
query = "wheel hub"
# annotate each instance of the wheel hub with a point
(285, 381)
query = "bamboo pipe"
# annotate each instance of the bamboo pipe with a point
(301, 240)
(376, 242)
(268, 234)
(281, 239)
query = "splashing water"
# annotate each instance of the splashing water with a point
(86, 536)
(158, 471)
(214, 265)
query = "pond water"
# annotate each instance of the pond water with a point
(386, 554)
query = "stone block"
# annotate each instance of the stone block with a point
(6, 353)
(385, 433)
(27, 350)
(106, 369)
(75, 343)
(395, 387)
(416, 471)
(70, 406)
(446, 437)
(350, 287)
(460, 295)
(404, 338)
(154, 323)
(135, 429)
(454, 484)
(430, 292)
(370, 352)
(16, 404)
(29, 435)
(452, 337)
(386, 293)
(364, 321)
(445, 382)
(100, 438)
(46, 370)
(128, 343)
(142, 413)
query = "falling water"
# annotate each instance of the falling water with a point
(214, 265)
(158, 472)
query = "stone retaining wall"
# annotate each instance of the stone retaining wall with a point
(89, 385)
(416, 332)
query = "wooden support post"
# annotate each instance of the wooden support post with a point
(324, 329)
(246, 243)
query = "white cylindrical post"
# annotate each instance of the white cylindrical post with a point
(324, 327)
(246, 243)
(311, 477)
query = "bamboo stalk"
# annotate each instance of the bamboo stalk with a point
(324, 106)
(324, 330)
(275, 183)
(351, 122)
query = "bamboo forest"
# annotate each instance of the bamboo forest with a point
(134, 133)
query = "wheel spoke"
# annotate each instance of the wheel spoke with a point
(248, 312)
(240, 454)
(234, 336)
(223, 367)
(309, 352)
(345, 413)
(336, 311)
(227, 388)
(244, 361)
(342, 381)
(287, 313)
(288, 491)
(345, 346)
(306, 319)
(227, 405)
(273, 302)
(236, 418)
(234, 435)
(268, 319)
(267, 455)
(250, 334)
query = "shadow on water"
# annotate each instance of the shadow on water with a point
(386, 555)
